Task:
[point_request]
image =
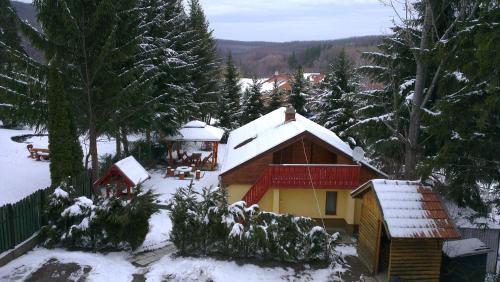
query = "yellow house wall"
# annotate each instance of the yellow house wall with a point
(302, 202)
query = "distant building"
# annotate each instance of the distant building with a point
(284, 81)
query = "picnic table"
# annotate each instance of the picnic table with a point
(183, 169)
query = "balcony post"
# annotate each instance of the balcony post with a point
(276, 200)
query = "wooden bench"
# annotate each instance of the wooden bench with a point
(38, 153)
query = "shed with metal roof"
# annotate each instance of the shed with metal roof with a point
(402, 229)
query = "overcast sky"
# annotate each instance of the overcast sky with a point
(287, 20)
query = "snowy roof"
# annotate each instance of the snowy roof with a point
(466, 247)
(197, 131)
(269, 131)
(409, 209)
(133, 170)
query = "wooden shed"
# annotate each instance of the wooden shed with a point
(402, 229)
(125, 174)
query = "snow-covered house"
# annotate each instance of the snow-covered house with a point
(402, 229)
(125, 174)
(286, 163)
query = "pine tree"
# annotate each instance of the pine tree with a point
(22, 80)
(465, 121)
(253, 108)
(298, 96)
(65, 150)
(383, 111)
(335, 108)
(206, 76)
(276, 97)
(167, 56)
(85, 39)
(230, 103)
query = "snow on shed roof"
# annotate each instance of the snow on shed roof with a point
(410, 210)
(269, 131)
(466, 247)
(133, 170)
(197, 131)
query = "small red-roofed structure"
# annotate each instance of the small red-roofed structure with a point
(125, 174)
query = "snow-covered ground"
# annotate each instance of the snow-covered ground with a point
(110, 267)
(208, 269)
(166, 186)
(19, 175)
(115, 267)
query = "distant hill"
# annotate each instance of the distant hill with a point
(260, 58)
(264, 58)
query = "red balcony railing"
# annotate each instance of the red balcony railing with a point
(303, 176)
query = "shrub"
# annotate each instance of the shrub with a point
(109, 223)
(204, 223)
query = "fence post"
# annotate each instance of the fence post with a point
(10, 218)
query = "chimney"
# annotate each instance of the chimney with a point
(289, 114)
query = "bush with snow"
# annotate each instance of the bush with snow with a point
(113, 223)
(205, 224)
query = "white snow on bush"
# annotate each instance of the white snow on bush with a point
(60, 193)
(236, 231)
(81, 204)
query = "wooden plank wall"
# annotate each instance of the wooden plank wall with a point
(415, 259)
(491, 237)
(369, 232)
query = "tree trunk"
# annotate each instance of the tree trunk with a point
(125, 142)
(93, 151)
(148, 137)
(411, 148)
(118, 146)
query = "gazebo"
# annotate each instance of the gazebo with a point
(195, 131)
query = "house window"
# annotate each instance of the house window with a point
(331, 203)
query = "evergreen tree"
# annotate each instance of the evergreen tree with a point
(167, 56)
(230, 103)
(298, 96)
(276, 97)
(253, 108)
(335, 108)
(383, 111)
(438, 104)
(466, 120)
(22, 80)
(65, 150)
(206, 76)
(85, 38)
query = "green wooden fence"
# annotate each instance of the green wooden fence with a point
(21, 220)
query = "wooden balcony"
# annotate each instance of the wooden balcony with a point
(304, 176)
